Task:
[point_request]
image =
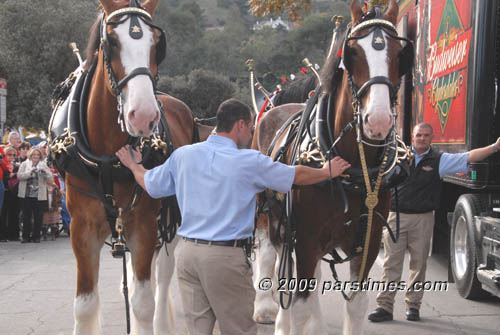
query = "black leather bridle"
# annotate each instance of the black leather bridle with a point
(135, 13)
(376, 26)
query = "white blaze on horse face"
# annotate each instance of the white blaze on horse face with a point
(376, 114)
(141, 111)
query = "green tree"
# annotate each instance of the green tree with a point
(220, 51)
(202, 91)
(295, 10)
(35, 56)
(184, 32)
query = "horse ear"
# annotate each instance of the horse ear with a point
(392, 12)
(356, 11)
(406, 58)
(110, 6)
(150, 6)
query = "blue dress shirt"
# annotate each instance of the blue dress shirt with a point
(215, 184)
(449, 163)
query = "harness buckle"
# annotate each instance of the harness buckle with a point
(118, 247)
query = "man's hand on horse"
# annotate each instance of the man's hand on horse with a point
(336, 165)
(125, 155)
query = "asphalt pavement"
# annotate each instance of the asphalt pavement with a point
(37, 287)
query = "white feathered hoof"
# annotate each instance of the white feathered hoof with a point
(266, 318)
(266, 315)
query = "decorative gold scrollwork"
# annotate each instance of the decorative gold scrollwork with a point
(403, 152)
(63, 142)
(312, 153)
(158, 144)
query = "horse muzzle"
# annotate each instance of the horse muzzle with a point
(377, 123)
(142, 121)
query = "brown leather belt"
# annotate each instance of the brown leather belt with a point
(231, 243)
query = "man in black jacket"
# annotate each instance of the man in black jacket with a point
(418, 197)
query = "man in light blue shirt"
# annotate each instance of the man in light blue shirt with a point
(216, 183)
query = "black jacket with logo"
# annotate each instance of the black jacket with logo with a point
(421, 191)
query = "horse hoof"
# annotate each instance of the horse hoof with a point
(265, 320)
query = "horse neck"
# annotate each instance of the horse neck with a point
(104, 133)
(348, 146)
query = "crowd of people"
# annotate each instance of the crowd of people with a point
(31, 194)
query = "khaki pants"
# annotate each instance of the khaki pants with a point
(415, 235)
(215, 282)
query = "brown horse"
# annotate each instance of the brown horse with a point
(374, 60)
(125, 50)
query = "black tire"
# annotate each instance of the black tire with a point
(464, 245)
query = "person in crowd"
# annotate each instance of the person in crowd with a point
(33, 177)
(24, 147)
(43, 148)
(4, 169)
(418, 197)
(52, 215)
(14, 140)
(65, 217)
(10, 210)
(216, 182)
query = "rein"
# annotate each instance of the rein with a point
(135, 14)
(401, 152)
(70, 150)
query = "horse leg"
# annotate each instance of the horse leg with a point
(306, 312)
(355, 310)
(283, 323)
(86, 247)
(141, 244)
(165, 265)
(315, 325)
(265, 308)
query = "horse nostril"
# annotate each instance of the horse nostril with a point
(366, 119)
(155, 121)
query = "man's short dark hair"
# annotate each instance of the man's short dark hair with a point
(424, 125)
(231, 111)
(25, 145)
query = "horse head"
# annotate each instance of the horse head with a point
(375, 61)
(132, 48)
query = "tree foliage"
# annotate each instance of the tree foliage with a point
(294, 9)
(204, 65)
(202, 90)
(34, 53)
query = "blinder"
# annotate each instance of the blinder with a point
(136, 13)
(135, 31)
(405, 56)
(406, 59)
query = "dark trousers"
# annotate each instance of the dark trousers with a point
(32, 208)
(10, 215)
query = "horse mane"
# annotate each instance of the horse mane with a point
(327, 73)
(94, 41)
(297, 91)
